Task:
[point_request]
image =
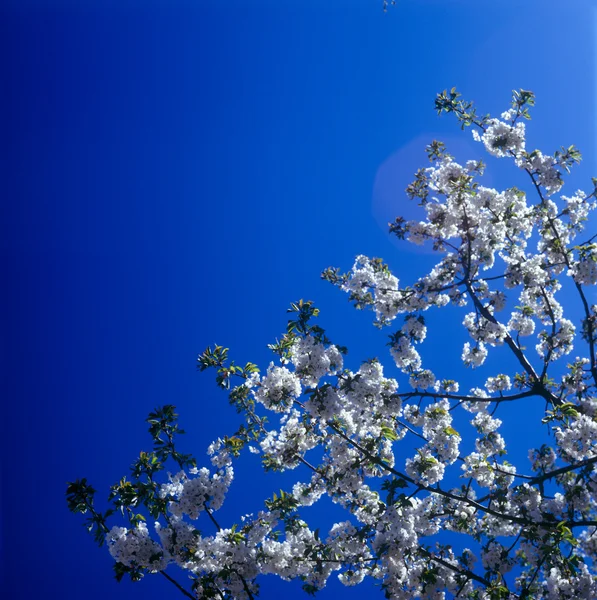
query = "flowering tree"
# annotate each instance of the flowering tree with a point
(528, 531)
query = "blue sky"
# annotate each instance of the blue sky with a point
(177, 172)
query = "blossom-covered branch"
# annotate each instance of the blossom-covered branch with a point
(385, 443)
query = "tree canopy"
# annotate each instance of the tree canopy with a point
(432, 507)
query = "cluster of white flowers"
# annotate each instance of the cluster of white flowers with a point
(422, 379)
(578, 208)
(414, 328)
(443, 177)
(220, 454)
(577, 440)
(499, 383)
(584, 271)
(134, 548)
(474, 356)
(441, 449)
(367, 279)
(542, 458)
(405, 355)
(189, 495)
(545, 167)
(559, 343)
(521, 323)
(495, 558)
(312, 360)
(501, 139)
(484, 330)
(278, 389)
(477, 466)
(576, 380)
(285, 447)
(566, 586)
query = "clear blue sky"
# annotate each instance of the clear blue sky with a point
(176, 172)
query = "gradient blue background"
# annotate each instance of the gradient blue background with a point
(175, 173)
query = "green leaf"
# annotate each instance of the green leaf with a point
(388, 433)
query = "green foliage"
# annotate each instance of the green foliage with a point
(464, 111)
(333, 275)
(563, 412)
(141, 492)
(120, 570)
(212, 358)
(521, 101)
(79, 499)
(305, 311)
(79, 496)
(218, 358)
(419, 188)
(567, 157)
(437, 151)
(399, 228)
(283, 347)
(389, 433)
(163, 429)
(391, 485)
(285, 503)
